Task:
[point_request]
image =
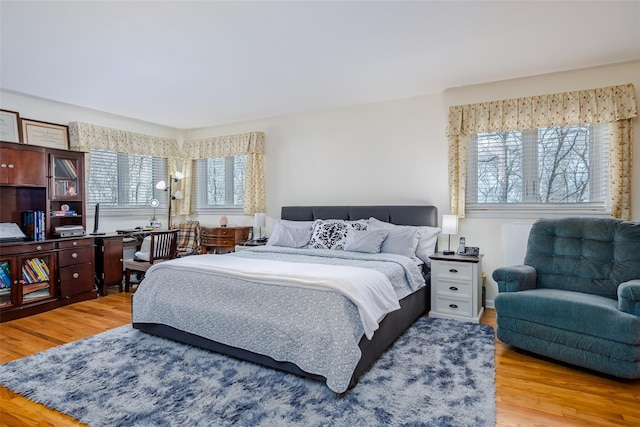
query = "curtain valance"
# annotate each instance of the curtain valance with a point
(85, 136)
(223, 146)
(615, 105)
(607, 104)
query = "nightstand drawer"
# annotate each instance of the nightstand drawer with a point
(454, 289)
(218, 232)
(454, 306)
(455, 271)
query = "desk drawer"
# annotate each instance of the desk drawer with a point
(76, 279)
(75, 256)
(65, 244)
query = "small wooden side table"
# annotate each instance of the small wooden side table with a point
(222, 239)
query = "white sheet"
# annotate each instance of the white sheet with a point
(369, 290)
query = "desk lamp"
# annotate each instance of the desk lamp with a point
(449, 226)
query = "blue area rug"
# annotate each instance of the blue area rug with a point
(439, 373)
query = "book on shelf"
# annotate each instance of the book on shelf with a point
(34, 225)
(28, 275)
(67, 167)
(39, 267)
(5, 275)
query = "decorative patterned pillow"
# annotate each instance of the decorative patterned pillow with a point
(332, 233)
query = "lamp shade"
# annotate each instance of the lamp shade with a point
(259, 220)
(449, 224)
(178, 176)
(161, 185)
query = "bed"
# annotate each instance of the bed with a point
(298, 329)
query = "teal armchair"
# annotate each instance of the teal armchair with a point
(576, 299)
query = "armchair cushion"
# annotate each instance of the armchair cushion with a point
(591, 315)
(629, 297)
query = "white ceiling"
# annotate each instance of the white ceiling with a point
(197, 64)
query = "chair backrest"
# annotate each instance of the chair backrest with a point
(592, 255)
(188, 238)
(163, 245)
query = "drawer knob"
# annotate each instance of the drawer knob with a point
(453, 288)
(76, 275)
(453, 306)
(74, 255)
(38, 248)
(453, 270)
(75, 243)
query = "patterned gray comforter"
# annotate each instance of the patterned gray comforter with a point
(317, 330)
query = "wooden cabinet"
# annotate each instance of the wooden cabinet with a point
(222, 239)
(66, 190)
(28, 275)
(76, 267)
(23, 166)
(456, 287)
(109, 250)
(45, 270)
(45, 180)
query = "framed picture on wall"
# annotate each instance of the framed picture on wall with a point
(45, 134)
(9, 126)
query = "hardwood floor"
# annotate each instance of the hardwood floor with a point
(529, 391)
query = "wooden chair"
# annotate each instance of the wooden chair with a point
(162, 246)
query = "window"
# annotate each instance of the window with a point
(554, 168)
(220, 183)
(118, 180)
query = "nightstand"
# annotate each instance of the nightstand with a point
(222, 239)
(456, 287)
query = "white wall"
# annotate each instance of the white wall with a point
(387, 153)
(396, 152)
(373, 154)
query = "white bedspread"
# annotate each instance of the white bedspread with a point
(368, 289)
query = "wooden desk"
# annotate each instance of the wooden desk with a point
(222, 239)
(109, 256)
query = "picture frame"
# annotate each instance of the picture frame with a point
(10, 129)
(45, 134)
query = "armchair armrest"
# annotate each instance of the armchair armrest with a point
(629, 297)
(515, 278)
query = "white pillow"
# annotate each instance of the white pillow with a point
(427, 237)
(145, 250)
(290, 233)
(367, 241)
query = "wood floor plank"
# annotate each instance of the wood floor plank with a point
(530, 391)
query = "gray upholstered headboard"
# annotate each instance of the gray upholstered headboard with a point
(399, 214)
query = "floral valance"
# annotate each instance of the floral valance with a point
(608, 104)
(222, 146)
(85, 136)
